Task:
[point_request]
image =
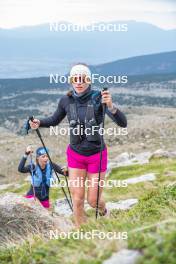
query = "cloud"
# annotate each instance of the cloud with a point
(15, 13)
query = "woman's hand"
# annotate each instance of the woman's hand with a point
(107, 98)
(28, 150)
(65, 170)
(34, 124)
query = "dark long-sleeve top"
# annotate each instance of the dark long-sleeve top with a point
(85, 147)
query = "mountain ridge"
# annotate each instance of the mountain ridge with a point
(66, 45)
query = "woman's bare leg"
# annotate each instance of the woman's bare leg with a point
(77, 187)
(93, 188)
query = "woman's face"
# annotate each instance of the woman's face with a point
(80, 83)
(42, 160)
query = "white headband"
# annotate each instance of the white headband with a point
(80, 69)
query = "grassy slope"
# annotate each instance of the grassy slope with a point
(150, 224)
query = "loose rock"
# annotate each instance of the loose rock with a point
(124, 256)
(142, 178)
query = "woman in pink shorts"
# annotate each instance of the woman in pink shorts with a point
(83, 108)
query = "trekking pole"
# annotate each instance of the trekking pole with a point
(32, 175)
(40, 137)
(101, 149)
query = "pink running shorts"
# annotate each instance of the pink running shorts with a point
(45, 203)
(89, 163)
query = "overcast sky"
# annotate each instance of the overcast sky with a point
(14, 13)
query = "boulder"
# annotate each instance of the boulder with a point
(160, 153)
(20, 217)
(126, 159)
(124, 256)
